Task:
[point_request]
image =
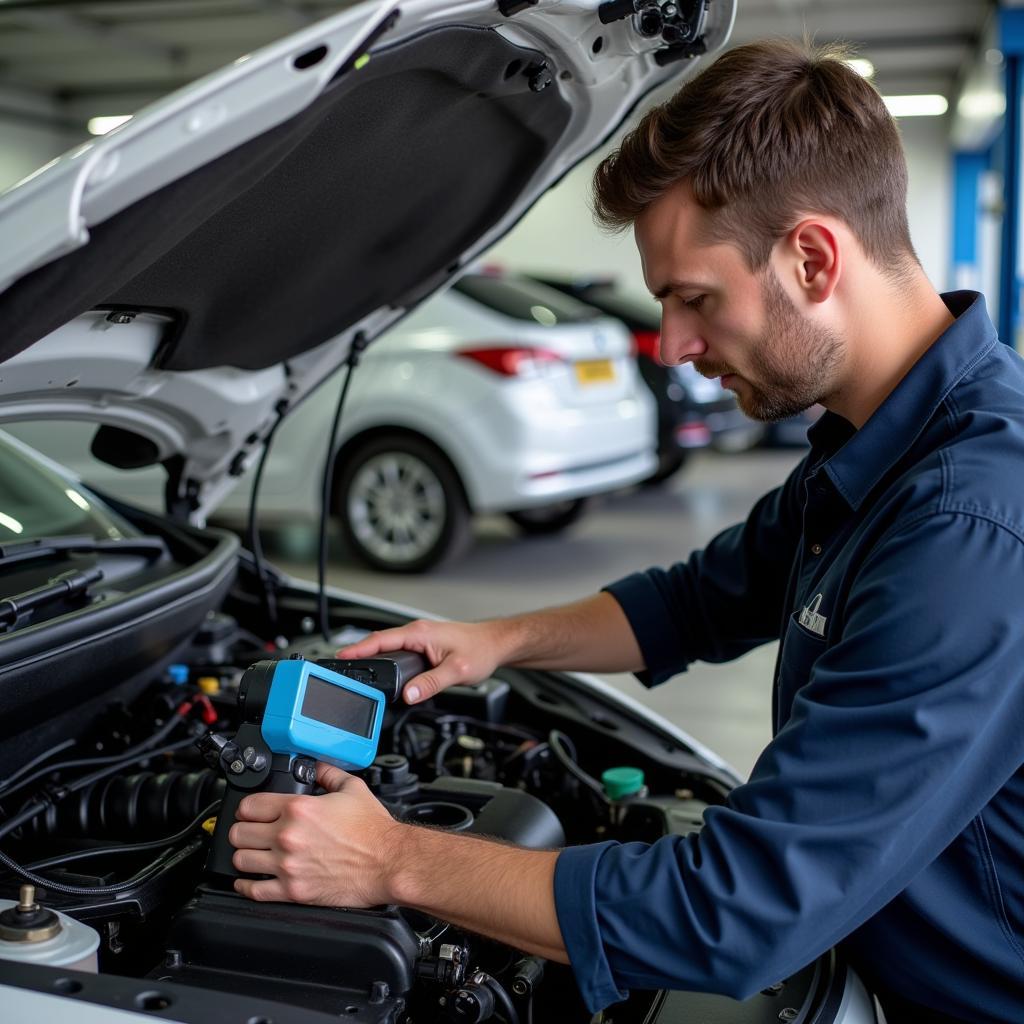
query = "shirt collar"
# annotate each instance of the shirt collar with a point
(857, 459)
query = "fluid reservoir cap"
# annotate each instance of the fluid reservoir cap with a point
(210, 685)
(622, 782)
(178, 674)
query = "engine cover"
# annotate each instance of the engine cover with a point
(315, 957)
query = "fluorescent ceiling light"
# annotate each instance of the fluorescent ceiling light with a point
(107, 123)
(10, 523)
(927, 105)
(982, 104)
(77, 499)
(862, 66)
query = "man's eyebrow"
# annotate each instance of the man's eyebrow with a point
(673, 286)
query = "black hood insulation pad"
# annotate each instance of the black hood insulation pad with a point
(365, 198)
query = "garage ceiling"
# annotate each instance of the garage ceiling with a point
(85, 57)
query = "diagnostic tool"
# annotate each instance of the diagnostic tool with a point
(315, 712)
(295, 713)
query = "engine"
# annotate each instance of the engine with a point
(117, 831)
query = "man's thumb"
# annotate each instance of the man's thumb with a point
(332, 779)
(426, 684)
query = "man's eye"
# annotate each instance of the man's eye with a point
(695, 303)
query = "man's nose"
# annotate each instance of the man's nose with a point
(680, 344)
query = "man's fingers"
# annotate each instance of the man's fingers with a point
(366, 648)
(251, 836)
(268, 890)
(381, 641)
(255, 862)
(262, 807)
(332, 779)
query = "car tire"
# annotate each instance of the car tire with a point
(549, 518)
(400, 504)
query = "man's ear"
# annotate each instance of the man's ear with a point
(813, 254)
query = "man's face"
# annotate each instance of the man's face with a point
(731, 322)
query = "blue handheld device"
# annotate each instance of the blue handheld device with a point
(318, 713)
(294, 713)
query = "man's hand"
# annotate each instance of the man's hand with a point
(459, 652)
(331, 850)
(343, 849)
(592, 635)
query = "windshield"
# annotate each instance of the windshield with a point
(36, 501)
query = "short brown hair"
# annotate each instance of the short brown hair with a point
(769, 132)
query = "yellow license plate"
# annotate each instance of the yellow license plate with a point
(595, 371)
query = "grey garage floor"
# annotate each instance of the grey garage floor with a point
(725, 707)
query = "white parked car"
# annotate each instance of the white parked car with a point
(498, 395)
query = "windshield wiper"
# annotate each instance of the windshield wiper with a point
(47, 547)
(73, 583)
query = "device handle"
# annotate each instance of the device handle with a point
(221, 851)
(288, 774)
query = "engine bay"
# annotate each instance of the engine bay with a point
(114, 828)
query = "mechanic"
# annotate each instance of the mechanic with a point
(768, 202)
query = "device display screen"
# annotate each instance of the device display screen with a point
(334, 705)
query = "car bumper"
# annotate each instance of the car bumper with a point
(528, 455)
(733, 430)
(722, 425)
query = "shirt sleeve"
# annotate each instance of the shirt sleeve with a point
(724, 600)
(906, 728)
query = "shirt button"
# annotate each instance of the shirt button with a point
(816, 549)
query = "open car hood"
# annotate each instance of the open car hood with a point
(188, 278)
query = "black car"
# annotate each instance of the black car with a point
(693, 412)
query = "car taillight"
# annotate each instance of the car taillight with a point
(648, 343)
(696, 434)
(514, 360)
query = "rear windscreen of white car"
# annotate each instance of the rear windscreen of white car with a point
(631, 308)
(525, 300)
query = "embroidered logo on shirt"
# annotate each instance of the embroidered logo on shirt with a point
(810, 617)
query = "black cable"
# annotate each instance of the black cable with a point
(359, 343)
(506, 1006)
(165, 730)
(399, 725)
(526, 753)
(40, 805)
(92, 890)
(253, 531)
(442, 752)
(6, 784)
(152, 844)
(250, 636)
(87, 780)
(555, 741)
(442, 718)
(435, 931)
(500, 730)
(27, 813)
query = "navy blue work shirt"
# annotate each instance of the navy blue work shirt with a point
(888, 809)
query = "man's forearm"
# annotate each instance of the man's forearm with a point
(592, 635)
(503, 892)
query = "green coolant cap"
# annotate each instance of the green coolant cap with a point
(621, 782)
